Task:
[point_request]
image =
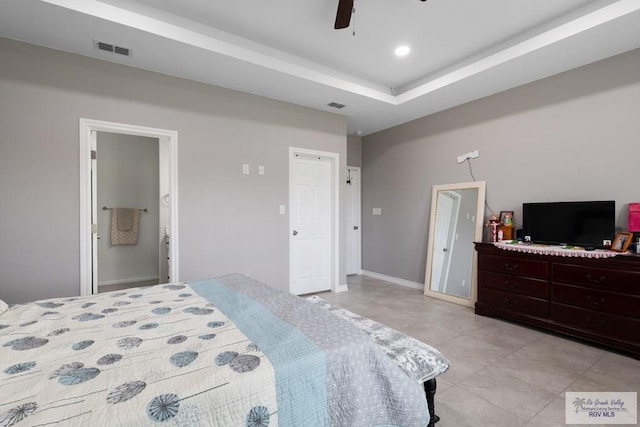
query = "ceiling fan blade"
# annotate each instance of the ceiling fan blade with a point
(343, 16)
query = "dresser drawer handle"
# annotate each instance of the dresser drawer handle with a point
(511, 301)
(512, 285)
(510, 267)
(595, 302)
(598, 281)
(597, 322)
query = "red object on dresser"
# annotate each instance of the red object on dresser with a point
(634, 217)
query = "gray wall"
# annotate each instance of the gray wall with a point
(354, 150)
(229, 222)
(128, 177)
(575, 136)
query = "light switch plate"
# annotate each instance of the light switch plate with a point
(245, 169)
(260, 170)
(283, 209)
(376, 211)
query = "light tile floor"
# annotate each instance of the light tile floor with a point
(501, 374)
(121, 286)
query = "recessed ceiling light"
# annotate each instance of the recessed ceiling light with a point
(402, 50)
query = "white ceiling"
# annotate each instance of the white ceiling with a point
(461, 50)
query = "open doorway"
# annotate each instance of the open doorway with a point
(354, 217)
(131, 167)
(129, 215)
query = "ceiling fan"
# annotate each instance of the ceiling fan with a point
(343, 16)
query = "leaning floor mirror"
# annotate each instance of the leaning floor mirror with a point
(457, 212)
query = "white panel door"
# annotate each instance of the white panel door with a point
(311, 224)
(354, 253)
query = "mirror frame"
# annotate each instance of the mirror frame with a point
(481, 187)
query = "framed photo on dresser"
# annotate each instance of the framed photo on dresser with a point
(506, 218)
(621, 242)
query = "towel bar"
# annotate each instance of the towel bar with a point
(104, 208)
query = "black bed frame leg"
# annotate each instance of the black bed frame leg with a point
(430, 392)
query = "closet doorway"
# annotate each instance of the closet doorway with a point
(125, 166)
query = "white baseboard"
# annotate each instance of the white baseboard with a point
(129, 280)
(394, 280)
(341, 288)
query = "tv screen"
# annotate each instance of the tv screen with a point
(586, 224)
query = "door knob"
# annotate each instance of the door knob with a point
(295, 232)
(444, 249)
(355, 227)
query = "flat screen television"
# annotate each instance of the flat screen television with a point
(586, 224)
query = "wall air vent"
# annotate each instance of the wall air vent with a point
(107, 47)
(336, 105)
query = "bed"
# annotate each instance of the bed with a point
(229, 351)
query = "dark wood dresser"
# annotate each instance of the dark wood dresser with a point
(594, 299)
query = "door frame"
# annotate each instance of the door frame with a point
(335, 214)
(164, 136)
(358, 195)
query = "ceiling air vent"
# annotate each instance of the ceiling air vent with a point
(104, 46)
(336, 105)
(121, 50)
(107, 47)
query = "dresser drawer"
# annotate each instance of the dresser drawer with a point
(597, 323)
(517, 266)
(609, 302)
(517, 303)
(519, 285)
(597, 299)
(598, 278)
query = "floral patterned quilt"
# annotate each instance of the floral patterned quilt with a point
(418, 360)
(229, 351)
